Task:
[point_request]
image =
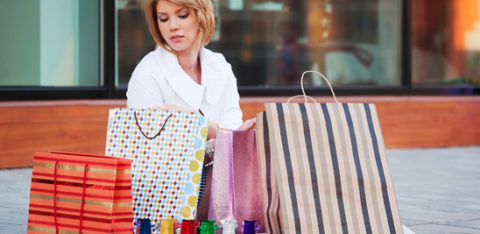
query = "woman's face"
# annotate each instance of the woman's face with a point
(177, 24)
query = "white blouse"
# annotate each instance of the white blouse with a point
(159, 80)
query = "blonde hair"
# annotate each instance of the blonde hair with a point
(204, 11)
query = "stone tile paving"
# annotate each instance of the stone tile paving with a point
(14, 196)
(438, 191)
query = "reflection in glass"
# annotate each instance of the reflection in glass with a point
(133, 38)
(271, 42)
(50, 43)
(445, 42)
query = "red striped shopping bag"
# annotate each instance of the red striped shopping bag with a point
(323, 169)
(80, 193)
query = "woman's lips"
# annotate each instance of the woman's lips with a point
(176, 38)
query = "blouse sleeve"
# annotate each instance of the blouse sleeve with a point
(232, 115)
(143, 90)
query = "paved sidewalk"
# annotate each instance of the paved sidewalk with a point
(438, 191)
(14, 196)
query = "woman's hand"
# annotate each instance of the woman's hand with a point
(248, 124)
(212, 130)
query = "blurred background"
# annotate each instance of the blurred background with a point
(65, 63)
(62, 49)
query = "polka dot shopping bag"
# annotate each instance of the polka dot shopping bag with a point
(167, 150)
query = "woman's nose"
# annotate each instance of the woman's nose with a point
(173, 24)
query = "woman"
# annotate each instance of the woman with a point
(183, 75)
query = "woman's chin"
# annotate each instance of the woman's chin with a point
(180, 47)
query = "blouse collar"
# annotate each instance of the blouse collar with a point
(213, 81)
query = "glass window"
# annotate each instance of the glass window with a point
(47, 43)
(445, 40)
(133, 38)
(270, 43)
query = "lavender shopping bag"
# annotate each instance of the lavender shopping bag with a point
(236, 188)
(222, 203)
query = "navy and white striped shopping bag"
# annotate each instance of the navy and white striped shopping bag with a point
(323, 169)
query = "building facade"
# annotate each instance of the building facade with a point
(65, 49)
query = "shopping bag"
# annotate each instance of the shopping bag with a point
(235, 193)
(248, 195)
(167, 150)
(324, 167)
(222, 202)
(72, 192)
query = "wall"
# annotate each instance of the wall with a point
(80, 126)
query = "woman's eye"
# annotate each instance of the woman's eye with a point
(163, 19)
(183, 16)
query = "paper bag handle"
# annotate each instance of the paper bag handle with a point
(303, 90)
(55, 196)
(143, 133)
(297, 96)
(82, 204)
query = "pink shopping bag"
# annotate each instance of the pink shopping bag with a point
(236, 188)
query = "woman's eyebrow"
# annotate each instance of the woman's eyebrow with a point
(164, 13)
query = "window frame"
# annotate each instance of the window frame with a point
(109, 91)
